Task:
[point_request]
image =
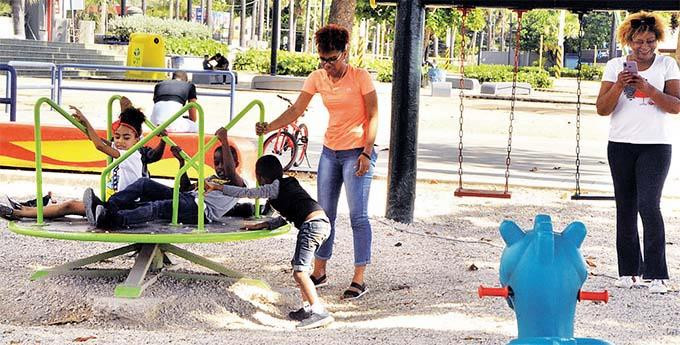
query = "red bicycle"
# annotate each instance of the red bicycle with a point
(289, 143)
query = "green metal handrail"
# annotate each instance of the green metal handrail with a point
(148, 123)
(38, 147)
(201, 153)
(208, 146)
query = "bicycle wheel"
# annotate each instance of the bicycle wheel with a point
(302, 140)
(282, 145)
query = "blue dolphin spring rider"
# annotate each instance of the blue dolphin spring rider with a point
(541, 275)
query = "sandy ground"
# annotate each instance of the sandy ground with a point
(421, 288)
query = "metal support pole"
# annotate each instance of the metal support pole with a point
(401, 183)
(323, 10)
(123, 5)
(189, 9)
(276, 34)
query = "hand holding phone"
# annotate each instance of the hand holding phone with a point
(630, 66)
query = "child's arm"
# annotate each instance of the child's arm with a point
(92, 134)
(269, 191)
(184, 182)
(227, 158)
(157, 152)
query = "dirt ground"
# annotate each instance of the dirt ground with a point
(422, 287)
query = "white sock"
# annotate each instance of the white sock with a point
(317, 308)
(306, 306)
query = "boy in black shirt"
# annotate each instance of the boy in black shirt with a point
(293, 203)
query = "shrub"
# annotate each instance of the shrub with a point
(122, 27)
(589, 72)
(194, 47)
(297, 64)
(537, 77)
(384, 69)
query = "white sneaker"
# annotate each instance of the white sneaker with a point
(657, 286)
(627, 282)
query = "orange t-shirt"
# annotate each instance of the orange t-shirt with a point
(347, 120)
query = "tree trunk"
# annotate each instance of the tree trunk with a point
(342, 13)
(490, 27)
(102, 17)
(503, 24)
(305, 46)
(677, 50)
(242, 32)
(208, 14)
(291, 26)
(253, 21)
(178, 9)
(18, 18)
(260, 26)
(231, 22)
(171, 9)
(143, 7)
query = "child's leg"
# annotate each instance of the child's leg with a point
(307, 288)
(309, 238)
(70, 207)
(156, 210)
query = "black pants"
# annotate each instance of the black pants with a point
(639, 172)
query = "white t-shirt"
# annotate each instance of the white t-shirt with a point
(127, 172)
(635, 118)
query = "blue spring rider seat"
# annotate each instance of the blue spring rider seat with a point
(541, 275)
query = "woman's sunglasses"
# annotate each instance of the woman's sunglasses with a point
(647, 21)
(331, 60)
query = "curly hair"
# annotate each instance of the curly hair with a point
(133, 117)
(331, 37)
(627, 29)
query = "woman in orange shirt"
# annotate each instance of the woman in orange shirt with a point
(347, 157)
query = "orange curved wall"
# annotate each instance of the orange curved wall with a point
(68, 149)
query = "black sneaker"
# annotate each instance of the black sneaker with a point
(100, 217)
(316, 320)
(300, 314)
(91, 202)
(7, 212)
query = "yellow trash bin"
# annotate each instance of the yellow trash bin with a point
(146, 50)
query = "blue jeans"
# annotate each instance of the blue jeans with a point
(310, 237)
(336, 168)
(155, 203)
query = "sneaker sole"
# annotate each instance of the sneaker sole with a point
(87, 200)
(321, 323)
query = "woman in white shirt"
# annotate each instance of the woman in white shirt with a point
(640, 98)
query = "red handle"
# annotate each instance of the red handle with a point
(594, 296)
(493, 292)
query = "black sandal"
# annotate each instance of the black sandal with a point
(354, 291)
(319, 282)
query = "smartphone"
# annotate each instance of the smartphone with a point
(630, 66)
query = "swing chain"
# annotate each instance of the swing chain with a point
(514, 96)
(578, 104)
(461, 107)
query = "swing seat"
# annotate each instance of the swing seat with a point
(152, 242)
(461, 192)
(592, 197)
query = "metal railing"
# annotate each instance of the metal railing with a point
(35, 65)
(197, 161)
(112, 165)
(61, 86)
(10, 91)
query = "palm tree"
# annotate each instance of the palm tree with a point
(18, 18)
(342, 13)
